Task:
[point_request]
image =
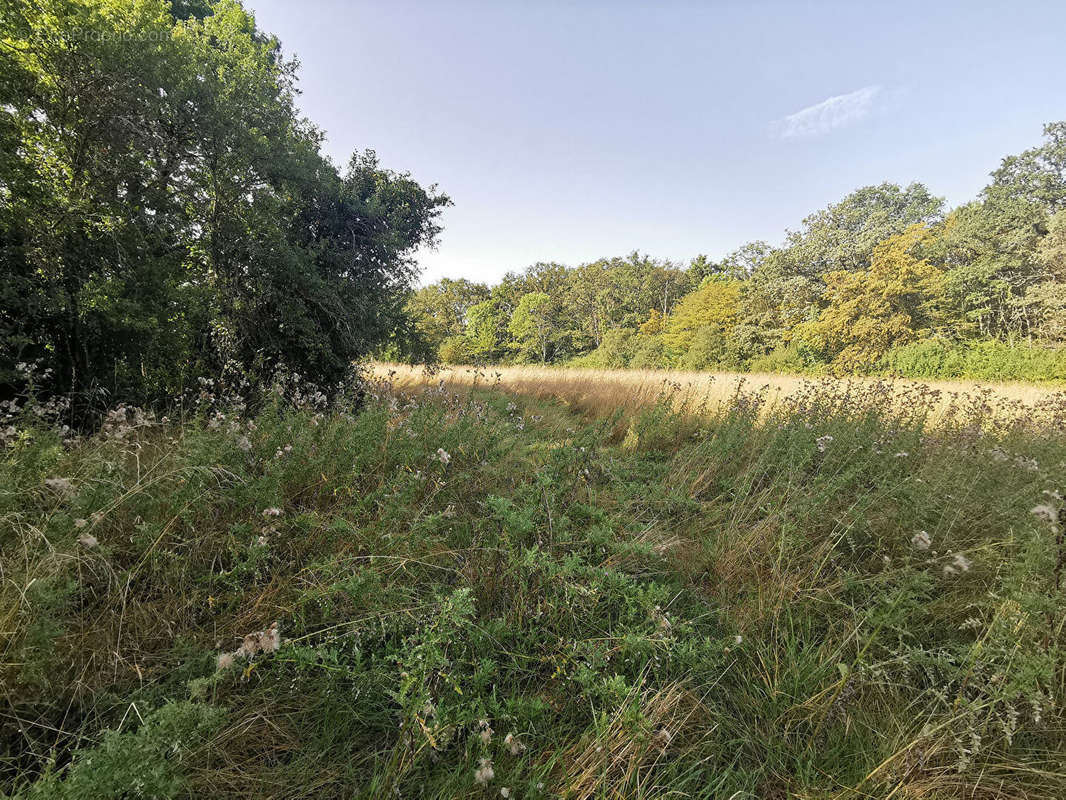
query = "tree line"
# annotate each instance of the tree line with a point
(887, 279)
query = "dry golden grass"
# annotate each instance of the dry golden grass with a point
(620, 761)
(605, 391)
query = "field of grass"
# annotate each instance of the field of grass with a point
(605, 391)
(553, 584)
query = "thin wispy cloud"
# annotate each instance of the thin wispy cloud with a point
(828, 115)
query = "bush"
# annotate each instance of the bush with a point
(455, 350)
(145, 763)
(792, 359)
(711, 349)
(978, 360)
(649, 353)
(616, 348)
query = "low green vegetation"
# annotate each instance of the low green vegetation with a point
(981, 360)
(448, 595)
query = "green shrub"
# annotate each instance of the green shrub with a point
(615, 350)
(979, 360)
(649, 353)
(455, 350)
(145, 763)
(793, 359)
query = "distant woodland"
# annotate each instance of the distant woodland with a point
(888, 280)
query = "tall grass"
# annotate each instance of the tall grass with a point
(605, 391)
(481, 593)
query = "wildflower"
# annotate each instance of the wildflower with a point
(660, 619)
(486, 731)
(505, 792)
(484, 773)
(513, 744)
(225, 660)
(267, 641)
(664, 737)
(449, 512)
(921, 540)
(262, 541)
(80, 523)
(442, 456)
(823, 442)
(959, 563)
(61, 486)
(739, 639)
(272, 512)
(902, 454)
(272, 641)
(244, 444)
(1045, 512)
(87, 540)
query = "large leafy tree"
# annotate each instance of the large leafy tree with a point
(166, 214)
(988, 249)
(786, 283)
(842, 236)
(440, 309)
(743, 262)
(1047, 299)
(486, 330)
(899, 298)
(992, 247)
(711, 309)
(619, 292)
(1037, 174)
(534, 325)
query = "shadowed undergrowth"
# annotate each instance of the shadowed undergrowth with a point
(484, 595)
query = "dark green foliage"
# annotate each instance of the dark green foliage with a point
(166, 215)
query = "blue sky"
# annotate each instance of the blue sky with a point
(570, 131)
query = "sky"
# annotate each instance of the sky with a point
(571, 131)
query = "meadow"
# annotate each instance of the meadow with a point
(437, 589)
(606, 391)
(221, 580)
